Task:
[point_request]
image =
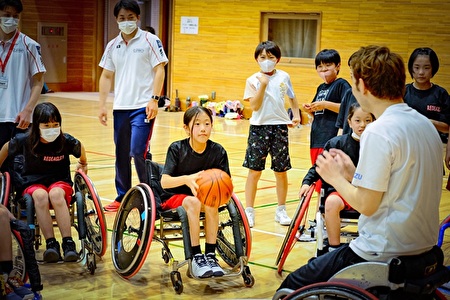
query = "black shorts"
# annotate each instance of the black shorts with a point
(264, 140)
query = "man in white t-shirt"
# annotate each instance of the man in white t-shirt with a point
(398, 181)
(21, 72)
(135, 60)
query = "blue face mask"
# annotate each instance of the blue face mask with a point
(8, 24)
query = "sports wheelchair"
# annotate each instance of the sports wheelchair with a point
(349, 227)
(140, 220)
(24, 260)
(349, 219)
(398, 279)
(90, 221)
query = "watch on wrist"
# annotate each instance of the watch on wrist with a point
(155, 97)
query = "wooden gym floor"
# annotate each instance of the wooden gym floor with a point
(73, 281)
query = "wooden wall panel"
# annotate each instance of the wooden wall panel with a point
(220, 57)
(82, 53)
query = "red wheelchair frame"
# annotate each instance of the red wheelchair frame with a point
(90, 223)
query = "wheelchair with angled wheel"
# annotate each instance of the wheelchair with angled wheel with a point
(24, 260)
(375, 280)
(140, 220)
(424, 276)
(23, 256)
(86, 215)
(348, 229)
(349, 222)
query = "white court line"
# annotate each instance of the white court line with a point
(252, 229)
(105, 199)
(178, 127)
(268, 232)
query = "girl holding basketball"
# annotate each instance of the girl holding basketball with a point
(185, 161)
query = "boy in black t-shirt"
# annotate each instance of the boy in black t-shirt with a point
(325, 106)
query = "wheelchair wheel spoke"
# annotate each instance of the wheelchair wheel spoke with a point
(93, 213)
(231, 242)
(132, 236)
(18, 256)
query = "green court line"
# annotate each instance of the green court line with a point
(275, 203)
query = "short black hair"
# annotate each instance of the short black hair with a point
(270, 47)
(424, 51)
(16, 4)
(131, 5)
(328, 56)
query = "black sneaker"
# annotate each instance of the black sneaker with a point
(52, 254)
(213, 263)
(70, 252)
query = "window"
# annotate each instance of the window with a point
(297, 34)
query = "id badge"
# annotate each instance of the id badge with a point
(3, 82)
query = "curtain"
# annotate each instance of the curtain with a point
(295, 37)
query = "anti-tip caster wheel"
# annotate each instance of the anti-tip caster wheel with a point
(249, 280)
(91, 264)
(165, 256)
(175, 277)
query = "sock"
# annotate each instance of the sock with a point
(281, 207)
(210, 248)
(6, 266)
(332, 247)
(50, 240)
(249, 209)
(196, 250)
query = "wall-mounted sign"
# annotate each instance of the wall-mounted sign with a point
(189, 25)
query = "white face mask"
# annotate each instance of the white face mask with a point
(267, 65)
(50, 134)
(8, 25)
(127, 27)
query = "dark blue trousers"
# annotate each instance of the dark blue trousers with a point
(322, 268)
(131, 137)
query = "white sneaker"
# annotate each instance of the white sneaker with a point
(281, 216)
(213, 263)
(250, 213)
(200, 266)
(305, 236)
(309, 235)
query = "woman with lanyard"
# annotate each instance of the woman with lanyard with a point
(22, 72)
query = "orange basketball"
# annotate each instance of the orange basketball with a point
(214, 187)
